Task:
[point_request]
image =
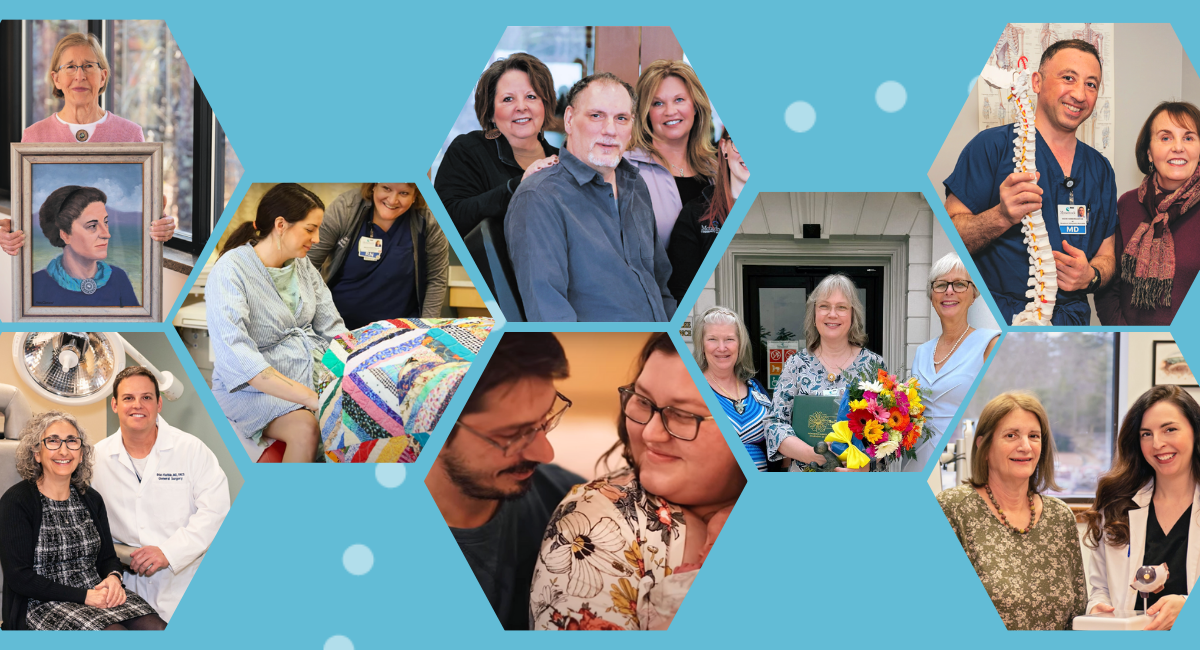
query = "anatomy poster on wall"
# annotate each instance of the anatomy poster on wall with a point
(1030, 40)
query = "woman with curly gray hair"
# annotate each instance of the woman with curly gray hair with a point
(55, 541)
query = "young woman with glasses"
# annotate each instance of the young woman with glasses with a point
(621, 552)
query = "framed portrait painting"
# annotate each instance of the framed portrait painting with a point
(86, 211)
(1170, 367)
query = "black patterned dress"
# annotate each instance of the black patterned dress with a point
(66, 552)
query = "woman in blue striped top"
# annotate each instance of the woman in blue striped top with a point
(271, 318)
(722, 349)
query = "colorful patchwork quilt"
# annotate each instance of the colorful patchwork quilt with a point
(392, 382)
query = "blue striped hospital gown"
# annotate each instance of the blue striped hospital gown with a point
(749, 425)
(252, 329)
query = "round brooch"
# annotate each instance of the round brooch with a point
(88, 286)
(81, 135)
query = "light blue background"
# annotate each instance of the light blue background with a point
(346, 91)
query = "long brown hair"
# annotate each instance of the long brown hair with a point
(1131, 471)
(660, 342)
(288, 200)
(722, 198)
(702, 155)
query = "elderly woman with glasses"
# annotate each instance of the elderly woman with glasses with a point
(948, 364)
(835, 352)
(55, 543)
(79, 73)
(621, 552)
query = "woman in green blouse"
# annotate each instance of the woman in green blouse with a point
(1024, 546)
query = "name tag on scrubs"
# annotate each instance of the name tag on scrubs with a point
(1072, 219)
(832, 392)
(370, 249)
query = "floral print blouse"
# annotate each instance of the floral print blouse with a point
(610, 560)
(803, 374)
(1035, 580)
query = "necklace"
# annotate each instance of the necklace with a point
(739, 405)
(960, 338)
(833, 376)
(1004, 520)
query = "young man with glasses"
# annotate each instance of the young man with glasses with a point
(491, 479)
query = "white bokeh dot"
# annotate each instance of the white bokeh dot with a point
(338, 643)
(800, 116)
(390, 475)
(358, 559)
(891, 96)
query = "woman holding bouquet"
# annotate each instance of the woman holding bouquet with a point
(948, 364)
(835, 351)
(1024, 546)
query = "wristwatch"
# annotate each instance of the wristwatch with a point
(1095, 283)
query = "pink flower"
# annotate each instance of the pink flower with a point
(901, 401)
(869, 396)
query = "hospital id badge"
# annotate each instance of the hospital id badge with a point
(1072, 219)
(370, 249)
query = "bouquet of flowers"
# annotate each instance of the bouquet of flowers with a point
(879, 417)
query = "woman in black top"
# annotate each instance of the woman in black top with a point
(700, 220)
(515, 103)
(1147, 508)
(55, 543)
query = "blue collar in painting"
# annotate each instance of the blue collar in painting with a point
(86, 285)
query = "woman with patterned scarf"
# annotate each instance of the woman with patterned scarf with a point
(1160, 229)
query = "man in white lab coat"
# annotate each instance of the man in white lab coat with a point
(165, 493)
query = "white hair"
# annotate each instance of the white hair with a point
(949, 263)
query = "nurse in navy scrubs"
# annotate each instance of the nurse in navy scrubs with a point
(75, 219)
(383, 255)
(1075, 188)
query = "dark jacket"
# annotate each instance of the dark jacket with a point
(477, 178)
(20, 525)
(345, 218)
(690, 242)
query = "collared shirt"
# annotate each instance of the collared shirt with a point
(176, 503)
(1004, 264)
(580, 255)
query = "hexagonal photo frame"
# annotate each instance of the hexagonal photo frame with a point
(1070, 482)
(133, 84)
(562, 478)
(151, 477)
(629, 206)
(336, 312)
(1061, 199)
(797, 253)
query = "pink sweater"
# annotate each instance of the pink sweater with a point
(114, 129)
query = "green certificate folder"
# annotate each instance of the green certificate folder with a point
(813, 417)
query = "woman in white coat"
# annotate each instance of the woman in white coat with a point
(1147, 508)
(165, 492)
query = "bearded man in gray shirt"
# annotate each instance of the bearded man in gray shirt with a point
(581, 234)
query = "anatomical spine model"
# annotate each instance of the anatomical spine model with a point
(1043, 278)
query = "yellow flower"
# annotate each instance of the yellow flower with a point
(858, 404)
(873, 431)
(624, 599)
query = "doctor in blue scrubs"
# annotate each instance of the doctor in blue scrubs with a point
(383, 255)
(986, 199)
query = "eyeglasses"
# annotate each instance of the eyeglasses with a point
(88, 68)
(825, 308)
(54, 444)
(681, 424)
(960, 286)
(518, 441)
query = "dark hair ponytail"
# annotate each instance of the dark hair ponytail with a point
(287, 200)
